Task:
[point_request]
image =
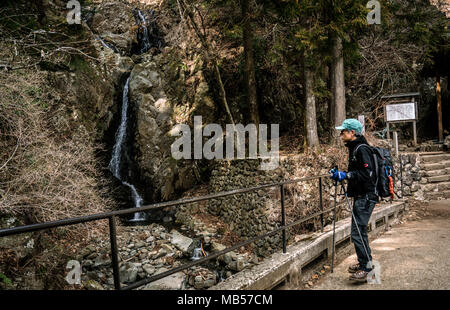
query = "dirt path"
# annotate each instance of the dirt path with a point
(413, 255)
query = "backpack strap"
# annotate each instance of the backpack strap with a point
(375, 162)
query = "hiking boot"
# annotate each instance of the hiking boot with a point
(354, 268)
(359, 276)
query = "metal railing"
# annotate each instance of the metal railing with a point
(111, 216)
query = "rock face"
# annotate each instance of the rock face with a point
(157, 91)
(167, 86)
(91, 90)
(115, 24)
(154, 122)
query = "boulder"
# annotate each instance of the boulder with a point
(102, 260)
(175, 281)
(149, 269)
(182, 243)
(128, 273)
(236, 265)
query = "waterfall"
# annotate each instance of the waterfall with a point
(145, 39)
(116, 159)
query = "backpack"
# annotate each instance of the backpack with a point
(384, 170)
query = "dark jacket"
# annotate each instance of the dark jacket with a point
(361, 172)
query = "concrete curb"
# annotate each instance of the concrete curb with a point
(287, 267)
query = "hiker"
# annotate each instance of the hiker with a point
(361, 178)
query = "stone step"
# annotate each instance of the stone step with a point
(436, 187)
(433, 173)
(439, 178)
(435, 158)
(435, 166)
(431, 148)
(436, 195)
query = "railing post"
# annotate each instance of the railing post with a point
(401, 175)
(114, 259)
(334, 226)
(321, 204)
(283, 218)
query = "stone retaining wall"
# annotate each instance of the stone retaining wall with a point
(412, 176)
(255, 213)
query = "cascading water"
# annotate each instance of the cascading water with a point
(144, 39)
(116, 163)
(148, 35)
(116, 159)
(197, 254)
(111, 47)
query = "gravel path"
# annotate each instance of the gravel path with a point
(413, 255)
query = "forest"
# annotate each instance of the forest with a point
(91, 92)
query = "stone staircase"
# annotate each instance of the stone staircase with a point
(436, 169)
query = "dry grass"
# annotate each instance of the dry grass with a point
(44, 174)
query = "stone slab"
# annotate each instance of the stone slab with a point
(435, 158)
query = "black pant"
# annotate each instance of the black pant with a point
(362, 209)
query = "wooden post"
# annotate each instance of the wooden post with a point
(439, 107)
(362, 120)
(414, 123)
(395, 136)
(388, 135)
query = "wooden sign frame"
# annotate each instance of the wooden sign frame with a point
(413, 121)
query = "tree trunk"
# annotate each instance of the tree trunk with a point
(337, 86)
(311, 119)
(249, 65)
(439, 107)
(330, 119)
(210, 57)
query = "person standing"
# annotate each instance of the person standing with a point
(361, 178)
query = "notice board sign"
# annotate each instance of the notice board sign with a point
(401, 112)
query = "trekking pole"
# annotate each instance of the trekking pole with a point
(334, 223)
(369, 261)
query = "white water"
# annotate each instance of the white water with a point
(145, 39)
(197, 254)
(104, 44)
(114, 164)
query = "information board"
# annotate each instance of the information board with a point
(401, 112)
